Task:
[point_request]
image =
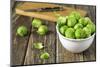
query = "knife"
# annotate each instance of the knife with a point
(46, 9)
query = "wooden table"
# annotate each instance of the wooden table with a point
(21, 47)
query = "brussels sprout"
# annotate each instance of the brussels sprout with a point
(71, 21)
(92, 27)
(44, 55)
(83, 21)
(42, 30)
(36, 23)
(62, 29)
(22, 31)
(80, 33)
(38, 45)
(88, 20)
(75, 14)
(61, 20)
(78, 25)
(66, 17)
(87, 31)
(69, 33)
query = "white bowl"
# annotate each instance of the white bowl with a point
(75, 45)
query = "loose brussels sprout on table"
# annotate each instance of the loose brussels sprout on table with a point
(22, 31)
(42, 30)
(36, 23)
(75, 26)
(44, 55)
(37, 45)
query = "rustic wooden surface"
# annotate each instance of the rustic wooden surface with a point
(21, 47)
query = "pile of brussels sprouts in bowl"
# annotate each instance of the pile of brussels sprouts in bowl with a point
(74, 26)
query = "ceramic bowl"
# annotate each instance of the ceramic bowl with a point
(75, 45)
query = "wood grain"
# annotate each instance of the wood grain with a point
(64, 55)
(19, 44)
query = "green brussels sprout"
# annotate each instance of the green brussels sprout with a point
(75, 14)
(83, 21)
(69, 33)
(61, 20)
(87, 31)
(80, 33)
(42, 30)
(38, 45)
(62, 29)
(66, 17)
(44, 55)
(92, 27)
(78, 25)
(36, 23)
(71, 21)
(88, 20)
(22, 31)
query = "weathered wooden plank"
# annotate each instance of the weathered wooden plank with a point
(12, 3)
(50, 43)
(93, 13)
(69, 5)
(19, 44)
(33, 55)
(90, 54)
(14, 16)
(65, 56)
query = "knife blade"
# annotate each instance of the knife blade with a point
(46, 9)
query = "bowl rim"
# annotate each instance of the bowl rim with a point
(70, 38)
